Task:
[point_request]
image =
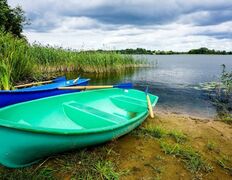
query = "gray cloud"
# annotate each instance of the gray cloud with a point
(217, 35)
(123, 19)
(127, 12)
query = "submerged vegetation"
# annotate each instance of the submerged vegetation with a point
(21, 61)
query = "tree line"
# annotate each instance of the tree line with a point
(202, 50)
(11, 19)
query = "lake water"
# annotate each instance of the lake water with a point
(174, 79)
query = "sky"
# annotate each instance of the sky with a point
(178, 25)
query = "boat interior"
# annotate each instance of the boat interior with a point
(78, 111)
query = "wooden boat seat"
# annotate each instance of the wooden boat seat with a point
(89, 117)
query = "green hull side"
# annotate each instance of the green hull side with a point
(23, 148)
(37, 129)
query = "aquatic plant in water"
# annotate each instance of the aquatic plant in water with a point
(223, 96)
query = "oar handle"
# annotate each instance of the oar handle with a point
(75, 80)
(84, 87)
(149, 106)
(32, 84)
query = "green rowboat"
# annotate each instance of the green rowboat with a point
(36, 129)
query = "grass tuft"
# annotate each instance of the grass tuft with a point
(211, 145)
(178, 136)
(193, 160)
(225, 162)
(157, 131)
(106, 170)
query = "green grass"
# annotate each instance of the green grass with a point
(178, 136)
(227, 118)
(211, 145)
(93, 163)
(106, 170)
(161, 132)
(154, 131)
(20, 61)
(192, 159)
(225, 162)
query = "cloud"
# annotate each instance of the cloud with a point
(169, 24)
(204, 18)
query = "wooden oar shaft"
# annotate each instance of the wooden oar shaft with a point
(84, 87)
(32, 84)
(150, 106)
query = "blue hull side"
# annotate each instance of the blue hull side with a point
(8, 98)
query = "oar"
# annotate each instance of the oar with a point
(149, 104)
(63, 78)
(122, 86)
(75, 80)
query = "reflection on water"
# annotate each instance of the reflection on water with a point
(173, 79)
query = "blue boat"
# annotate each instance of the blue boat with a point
(9, 97)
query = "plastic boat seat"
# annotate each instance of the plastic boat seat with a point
(132, 105)
(89, 117)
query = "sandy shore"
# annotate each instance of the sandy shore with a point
(141, 154)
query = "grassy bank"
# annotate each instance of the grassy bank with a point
(21, 61)
(168, 147)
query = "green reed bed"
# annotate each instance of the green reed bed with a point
(21, 61)
(15, 60)
(52, 59)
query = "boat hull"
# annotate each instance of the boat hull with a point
(33, 130)
(22, 148)
(12, 97)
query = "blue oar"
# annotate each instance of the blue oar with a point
(59, 79)
(149, 104)
(122, 86)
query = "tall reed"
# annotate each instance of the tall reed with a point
(15, 61)
(21, 61)
(58, 59)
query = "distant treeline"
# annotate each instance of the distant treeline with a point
(202, 50)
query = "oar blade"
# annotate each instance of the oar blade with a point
(124, 86)
(59, 79)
